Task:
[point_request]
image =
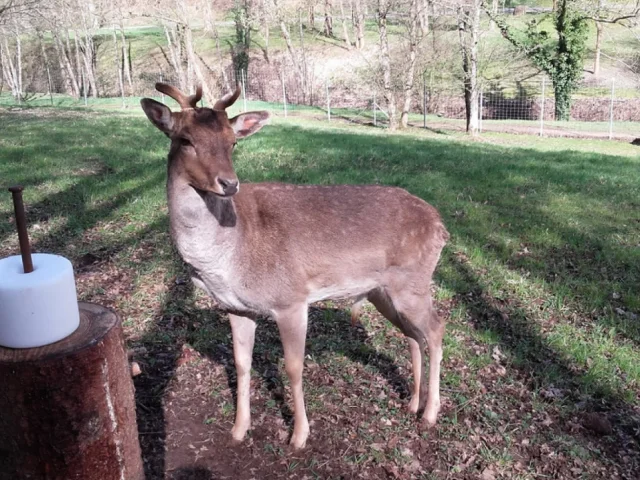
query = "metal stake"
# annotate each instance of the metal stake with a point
(613, 91)
(21, 224)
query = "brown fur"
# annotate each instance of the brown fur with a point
(273, 248)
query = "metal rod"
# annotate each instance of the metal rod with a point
(328, 102)
(424, 102)
(613, 92)
(375, 116)
(244, 91)
(161, 94)
(542, 108)
(21, 223)
(284, 96)
(480, 110)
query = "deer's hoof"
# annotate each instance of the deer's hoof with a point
(237, 435)
(299, 441)
(414, 405)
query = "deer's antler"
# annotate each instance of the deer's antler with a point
(228, 100)
(183, 100)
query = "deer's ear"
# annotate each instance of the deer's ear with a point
(159, 114)
(248, 123)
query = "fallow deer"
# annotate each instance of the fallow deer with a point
(270, 249)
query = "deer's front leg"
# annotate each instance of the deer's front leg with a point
(292, 324)
(243, 330)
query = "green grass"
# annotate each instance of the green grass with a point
(543, 263)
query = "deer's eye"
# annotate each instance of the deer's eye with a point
(185, 143)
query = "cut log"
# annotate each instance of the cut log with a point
(67, 410)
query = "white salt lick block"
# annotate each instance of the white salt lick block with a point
(40, 307)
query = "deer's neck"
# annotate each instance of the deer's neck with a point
(204, 226)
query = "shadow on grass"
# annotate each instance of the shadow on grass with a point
(543, 367)
(181, 322)
(329, 332)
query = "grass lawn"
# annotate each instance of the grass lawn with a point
(539, 285)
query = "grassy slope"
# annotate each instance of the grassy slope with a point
(539, 282)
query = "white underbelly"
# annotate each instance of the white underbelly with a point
(345, 290)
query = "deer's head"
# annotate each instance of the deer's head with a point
(203, 139)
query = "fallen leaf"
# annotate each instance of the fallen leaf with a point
(488, 474)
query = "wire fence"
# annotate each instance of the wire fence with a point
(599, 110)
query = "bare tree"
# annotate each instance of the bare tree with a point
(602, 13)
(358, 22)
(85, 45)
(469, 34)
(384, 6)
(345, 27)
(298, 55)
(119, 63)
(414, 37)
(328, 18)
(11, 61)
(186, 63)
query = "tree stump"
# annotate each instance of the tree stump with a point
(67, 410)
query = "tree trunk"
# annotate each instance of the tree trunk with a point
(359, 24)
(8, 69)
(468, 30)
(18, 60)
(193, 61)
(328, 18)
(119, 64)
(45, 57)
(312, 16)
(306, 84)
(596, 63)
(175, 52)
(243, 37)
(385, 63)
(225, 80)
(126, 58)
(68, 409)
(292, 53)
(83, 78)
(414, 37)
(88, 59)
(345, 28)
(563, 103)
(209, 20)
(88, 47)
(423, 16)
(66, 70)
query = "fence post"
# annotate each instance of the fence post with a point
(284, 96)
(161, 94)
(244, 91)
(542, 108)
(480, 111)
(424, 102)
(613, 91)
(375, 113)
(84, 87)
(328, 101)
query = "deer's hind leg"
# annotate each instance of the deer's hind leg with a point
(292, 324)
(412, 312)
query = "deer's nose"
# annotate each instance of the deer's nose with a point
(229, 186)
